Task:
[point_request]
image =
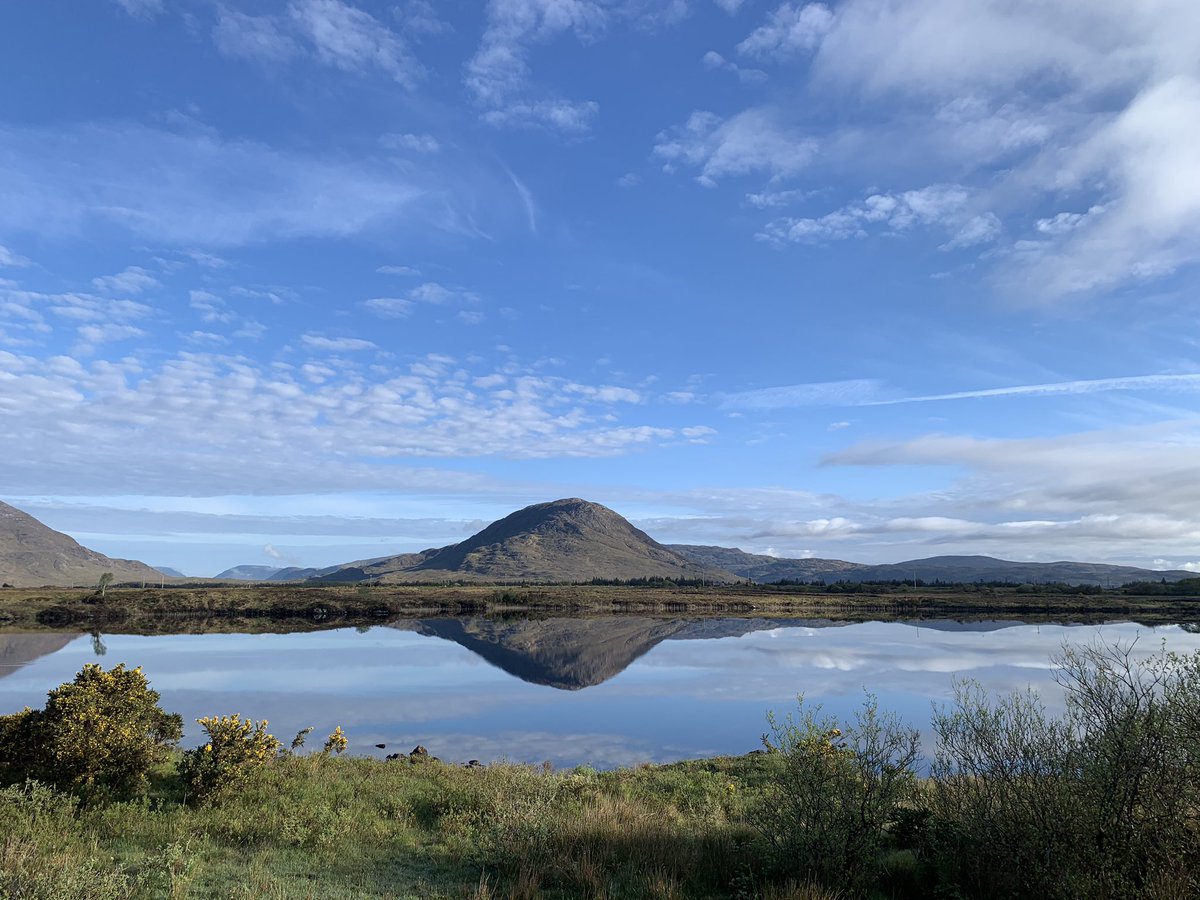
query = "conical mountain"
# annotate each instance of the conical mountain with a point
(563, 540)
(33, 554)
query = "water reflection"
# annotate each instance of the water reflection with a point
(605, 691)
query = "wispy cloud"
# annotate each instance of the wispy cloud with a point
(1182, 382)
(855, 392)
(133, 280)
(337, 345)
(9, 258)
(189, 189)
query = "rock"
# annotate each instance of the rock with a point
(474, 764)
(381, 746)
(419, 751)
(392, 756)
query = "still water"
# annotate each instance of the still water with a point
(605, 692)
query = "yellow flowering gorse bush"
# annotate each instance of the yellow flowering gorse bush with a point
(98, 736)
(235, 746)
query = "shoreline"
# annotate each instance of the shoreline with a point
(298, 607)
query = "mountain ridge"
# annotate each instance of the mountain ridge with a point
(33, 554)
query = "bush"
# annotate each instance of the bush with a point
(836, 792)
(235, 747)
(1101, 802)
(97, 737)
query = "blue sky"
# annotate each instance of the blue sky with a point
(311, 281)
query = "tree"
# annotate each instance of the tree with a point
(105, 580)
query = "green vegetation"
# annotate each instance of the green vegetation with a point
(1101, 802)
(260, 607)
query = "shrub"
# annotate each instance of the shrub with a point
(98, 736)
(1100, 802)
(835, 793)
(235, 747)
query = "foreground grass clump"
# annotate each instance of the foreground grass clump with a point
(1102, 802)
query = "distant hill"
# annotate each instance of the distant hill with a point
(965, 569)
(762, 568)
(169, 572)
(33, 554)
(248, 573)
(563, 540)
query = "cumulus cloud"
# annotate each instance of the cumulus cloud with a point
(792, 28)
(754, 141)
(716, 62)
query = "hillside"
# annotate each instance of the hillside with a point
(32, 554)
(563, 540)
(962, 569)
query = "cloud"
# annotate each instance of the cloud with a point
(398, 270)
(337, 345)
(792, 28)
(716, 62)
(353, 40)
(855, 392)
(9, 258)
(498, 74)
(1100, 105)
(753, 141)
(133, 280)
(145, 9)
(941, 205)
(390, 307)
(261, 38)
(203, 423)
(415, 143)
(188, 189)
(1178, 382)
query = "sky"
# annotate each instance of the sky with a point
(303, 282)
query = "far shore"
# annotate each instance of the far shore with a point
(290, 607)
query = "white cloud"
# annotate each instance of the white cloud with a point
(753, 141)
(1099, 102)
(390, 307)
(416, 143)
(261, 38)
(134, 280)
(942, 205)
(9, 258)
(715, 61)
(141, 8)
(828, 393)
(498, 74)
(1169, 382)
(730, 6)
(337, 345)
(188, 189)
(398, 270)
(792, 28)
(224, 423)
(91, 336)
(348, 38)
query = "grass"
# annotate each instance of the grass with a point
(355, 827)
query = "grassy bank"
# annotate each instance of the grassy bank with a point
(264, 607)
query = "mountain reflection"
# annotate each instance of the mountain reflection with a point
(572, 653)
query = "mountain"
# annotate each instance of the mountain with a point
(32, 555)
(169, 572)
(248, 573)
(965, 569)
(17, 650)
(762, 568)
(563, 540)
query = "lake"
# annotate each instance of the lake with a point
(606, 692)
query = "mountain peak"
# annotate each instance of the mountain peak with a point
(570, 539)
